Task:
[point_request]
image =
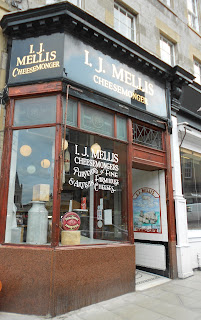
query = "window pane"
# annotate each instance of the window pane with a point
(71, 112)
(35, 111)
(121, 128)
(97, 121)
(94, 187)
(197, 68)
(116, 18)
(166, 49)
(191, 182)
(29, 210)
(124, 22)
(192, 14)
(191, 5)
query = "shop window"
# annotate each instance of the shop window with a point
(71, 112)
(94, 187)
(121, 128)
(124, 22)
(35, 111)
(191, 183)
(97, 121)
(167, 50)
(147, 136)
(29, 210)
(192, 14)
(197, 71)
(30, 196)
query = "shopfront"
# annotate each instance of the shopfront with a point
(186, 139)
(92, 181)
(86, 165)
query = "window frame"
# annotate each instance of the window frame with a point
(172, 50)
(35, 91)
(127, 14)
(166, 3)
(198, 64)
(193, 20)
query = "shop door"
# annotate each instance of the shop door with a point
(150, 220)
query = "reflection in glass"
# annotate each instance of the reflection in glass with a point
(191, 183)
(71, 112)
(29, 210)
(35, 111)
(121, 128)
(95, 187)
(96, 120)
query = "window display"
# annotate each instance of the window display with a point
(30, 197)
(94, 187)
(191, 183)
(92, 176)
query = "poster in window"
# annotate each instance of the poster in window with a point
(146, 211)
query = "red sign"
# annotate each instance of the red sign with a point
(83, 203)
(71, 221)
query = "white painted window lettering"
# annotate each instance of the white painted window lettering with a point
(124, 22)
(167, 50)
(102, 173)
(193, 14)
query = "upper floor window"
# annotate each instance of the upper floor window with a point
(166, 2)
(192, 14)
(124, 22)
(197, 71)
(167, 50)
(77, 3)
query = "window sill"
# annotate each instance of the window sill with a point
(194, 30)
(167, 7)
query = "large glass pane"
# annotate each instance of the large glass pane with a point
(97, 121)
(191, 182)
(94, 187)
(35, 111)
(71, 112)
(121, 128)
(29, 209)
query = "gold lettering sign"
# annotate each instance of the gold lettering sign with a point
(41, 59)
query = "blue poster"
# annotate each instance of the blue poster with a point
(146, 211)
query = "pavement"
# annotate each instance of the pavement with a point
(156, 298)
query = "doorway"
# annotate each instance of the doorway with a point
(150, 221)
